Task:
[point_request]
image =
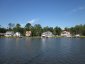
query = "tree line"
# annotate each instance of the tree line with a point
(37, 29)
(78, 29)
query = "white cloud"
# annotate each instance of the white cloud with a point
(32, 21)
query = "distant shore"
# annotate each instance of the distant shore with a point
(40, 37)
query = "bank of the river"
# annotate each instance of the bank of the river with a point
(40, 37)
(82, 36)
(8, 37)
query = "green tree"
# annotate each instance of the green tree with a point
(72, 30)
(18, 28)
(28, 26)
(50, 29)
(10, 26)
(78, 29)
(2, 30)
(37, 30)
(57, 30)
(66, 29)
(45, 29)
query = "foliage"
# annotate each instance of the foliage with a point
(78, 29)
(37, 29)
(10, 26)
(28, 26)
(2, 30)
(18, 28)
(57, 30)
(48, 29)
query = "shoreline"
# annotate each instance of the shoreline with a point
(40, 37)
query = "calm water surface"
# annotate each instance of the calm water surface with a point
(42, 51)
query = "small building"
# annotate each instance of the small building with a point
(9, 33)
(47, 34)
(65, 34)
(28, 33)
(77, 35)
(17, 34)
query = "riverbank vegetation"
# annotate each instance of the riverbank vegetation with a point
(37, 29)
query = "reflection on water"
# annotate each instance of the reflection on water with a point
(42, 51)
(43, 43)
(17, 43)
(28, 42)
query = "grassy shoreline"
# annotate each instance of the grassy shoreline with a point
(82, 36)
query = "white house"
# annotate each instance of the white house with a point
(66, 34)
(9, 33)
(77, 35)
(47, 34)
(17, 34)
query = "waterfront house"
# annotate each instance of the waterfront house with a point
(9, 33)
(77, 35)
(65, 34)
(47, 34)
(28, 33)
(17, 34)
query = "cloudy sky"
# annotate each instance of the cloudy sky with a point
(62, 13)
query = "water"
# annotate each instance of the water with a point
(42, 51)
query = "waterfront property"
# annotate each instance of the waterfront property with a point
(9, 33)
(66, 34)
(77, 35)
(47, 34)
(28, 33)
(17, 34)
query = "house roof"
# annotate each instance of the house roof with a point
(9, 32)
(47, 33)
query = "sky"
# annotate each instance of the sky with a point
(62, 13)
